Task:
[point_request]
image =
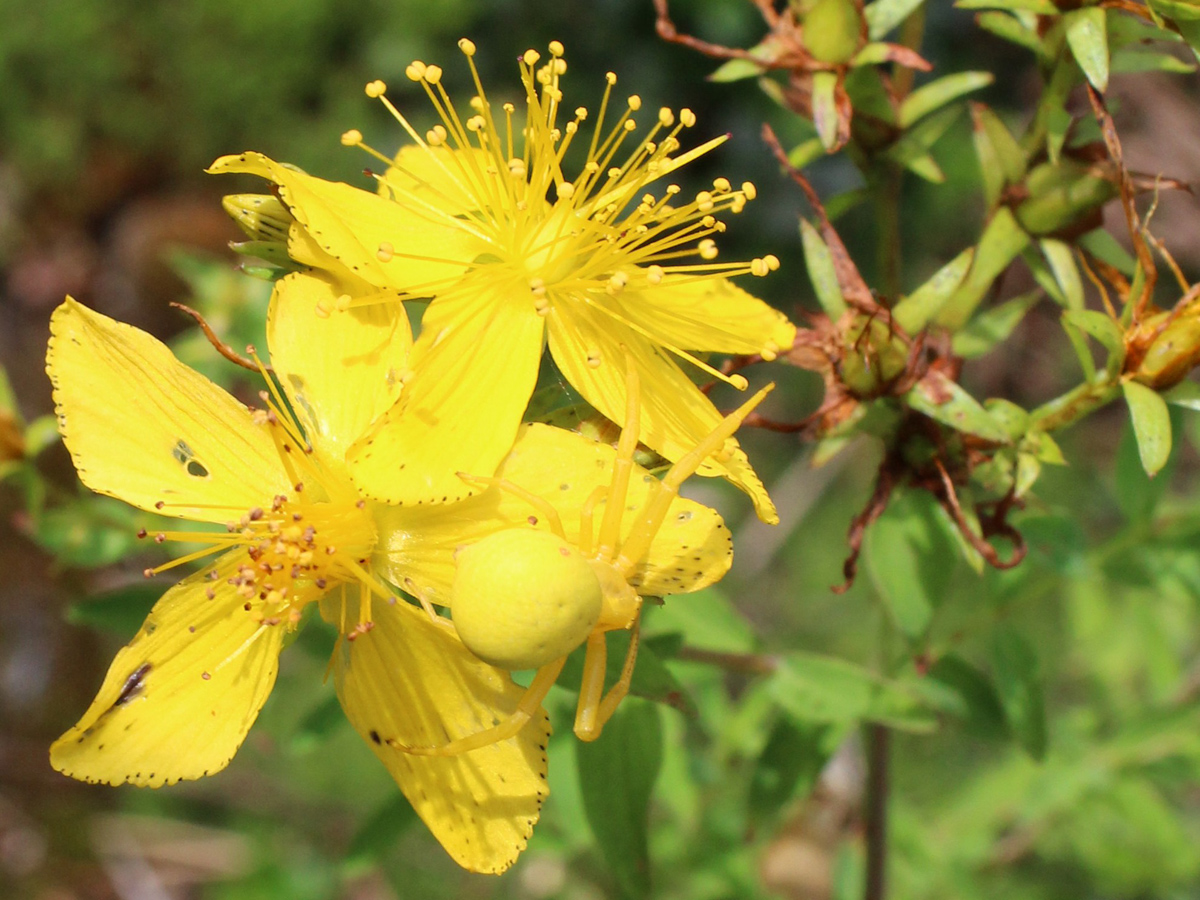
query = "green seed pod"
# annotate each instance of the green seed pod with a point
(1062, 195)
(873, 357)
(833, 30)
(524, 598)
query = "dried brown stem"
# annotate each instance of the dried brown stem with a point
(221, 347)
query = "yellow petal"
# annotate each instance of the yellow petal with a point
(710, 314)
(410, 681)
(474, 368)
(341, 369)
(691, 550)
(178, 700)
(145, 428)
(368, 234)
(445, 179)
(675, 415)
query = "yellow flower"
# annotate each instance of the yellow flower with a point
(178, 700)
(480, 215)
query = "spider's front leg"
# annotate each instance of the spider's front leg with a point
(594, 711)
(527, 707)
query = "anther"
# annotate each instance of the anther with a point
(666, 118)
(433, 74)
(323, 309)
(352, 138)
(687, 117)
(556, 48)
(385, 252)
(376, 89)
(141, 532)
(531, 57)
(708, 250)
(654, 274)
(749, 190)
(739, 382)
(467, 47)
(635, 102)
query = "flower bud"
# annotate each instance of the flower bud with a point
(1173, 354)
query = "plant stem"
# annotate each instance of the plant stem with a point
(878, 747)
(1076, 403)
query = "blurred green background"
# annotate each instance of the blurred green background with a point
(108, 114)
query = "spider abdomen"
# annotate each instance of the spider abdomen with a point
(524, 598)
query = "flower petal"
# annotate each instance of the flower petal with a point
(340, 369)
(446, 179)
(369, 234)
(144, 428)
(675, 415)
(178, 700)
(691, 550)
(474, 368)
(410, 681)
(711, 314)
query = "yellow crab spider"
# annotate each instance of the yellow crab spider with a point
(526, 597)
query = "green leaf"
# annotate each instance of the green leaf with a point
(616, 779)
(1087, 37)
(1019, 685)
(1083, 352)
(821, 271)
(913, 312)
(41, 433)
(824, 108)
(910, 561)
(1011, 29)
(91, 531)
(1001, 159)
(1099, 326)
(1129, 60)
(120, 611)
(884, 15)
(812, 688)
(936, 94)
(989, 328)
(736, 70)
(938, 397)
(706, 619)
(1058, 124)
(1061, 258)
(912, 149)
(1000, 243)
(1138, 494)
(1041, 7)
(1102, 245)
(1185, 394)
(981, 713)
(789, 765)
(806, 153)
(1151, 424)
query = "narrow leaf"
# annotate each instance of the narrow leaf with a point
(824, 108)
(616, 779)
(1099, 326)
(989, 328)
(936, 94)
(821, 271)
(812, 688)
(938, 397)
(982, 714)
(1088, 40)
(1151, 425)
(1000, 243)
(913, 312)
(884, 15)
(1061, 258)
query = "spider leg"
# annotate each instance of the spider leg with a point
(440, 621)
(526, 709)
(610, 525)
(589, 723)
(667, 490)
(539, 503)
